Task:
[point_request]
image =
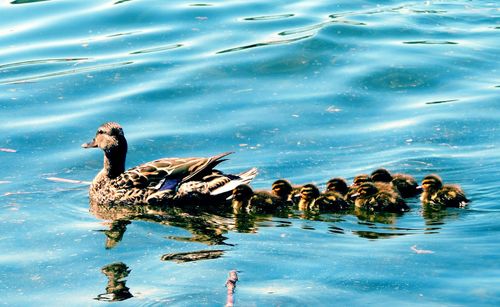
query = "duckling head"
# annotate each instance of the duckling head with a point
(365, 190)
(337, 185)
(243, 192)
(381, 175)
(282, 188)
(109, 137)
(360, 179)
(431, 183)
(241, 198)
(309, 192)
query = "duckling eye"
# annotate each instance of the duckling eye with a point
(100, 131)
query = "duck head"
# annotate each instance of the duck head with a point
(282, 188)
(431, 183)
(381, 175)
(337, 185)
(111, 139)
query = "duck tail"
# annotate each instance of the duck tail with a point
(242, 178)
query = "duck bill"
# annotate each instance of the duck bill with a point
(354, 196)
(419, 189)
(91, 144)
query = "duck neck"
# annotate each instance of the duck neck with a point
(114, 161)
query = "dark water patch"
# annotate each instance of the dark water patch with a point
(402, 79)
(269, 43)
(269, 17)
(193, 256)
(158, 49)
(42, 61)
(200, 4)
(430, 43)
(66, 72)
(441, 101)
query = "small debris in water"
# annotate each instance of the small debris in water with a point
(231, 285)
(7, 150)
(4, 181)
(421, 251)
(333, 109)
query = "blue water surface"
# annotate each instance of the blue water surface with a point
(303, 90)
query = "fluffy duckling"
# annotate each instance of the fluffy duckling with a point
(338, 185)
(369, 197)
(308, 194)
(406, 185)
(330, 202)
(435, 193)
(244, 199)
(240, 200)
(356, 182)
(282, 189)
(156, 181)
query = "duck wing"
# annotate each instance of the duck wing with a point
(167, 173)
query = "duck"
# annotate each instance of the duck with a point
(245, 200)
(160, 181)
(369, 197)
(405, 184)
(308, 194)
(435, 193)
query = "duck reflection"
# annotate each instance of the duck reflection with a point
(116, 290)
(207, 224)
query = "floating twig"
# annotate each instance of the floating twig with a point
(231, 285)
(421, 251)
(57, 179)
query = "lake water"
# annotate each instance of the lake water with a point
(303, 90)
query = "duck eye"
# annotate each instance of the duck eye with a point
(100, 131)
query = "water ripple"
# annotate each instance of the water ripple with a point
(268, 17)
(268, 43)
(65, 72)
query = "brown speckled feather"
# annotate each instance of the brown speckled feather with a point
(151, 174)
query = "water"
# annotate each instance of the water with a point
(304, 90)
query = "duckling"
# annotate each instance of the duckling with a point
(369, 197)
(282, 189)
(241, 196)
(435, 193)
(261, 202)
(157, 181)
(330, 201)
(406, 185)
(338, 185)
(308, 194)
(356, 182)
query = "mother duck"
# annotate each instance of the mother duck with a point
(158, 181)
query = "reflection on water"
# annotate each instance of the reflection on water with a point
(193, 256)
(116, 290)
